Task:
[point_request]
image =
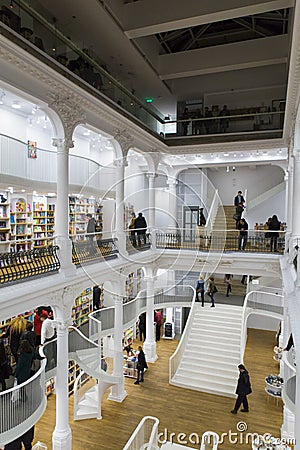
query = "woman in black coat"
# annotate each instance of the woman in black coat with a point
(242, 390)
(26, 356)
(5, 369)
(274, 226)
(141, 366)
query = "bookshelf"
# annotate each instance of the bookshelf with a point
(83, 307)
(20, 224)
(78, 209)
(4, 222)
(43, 222)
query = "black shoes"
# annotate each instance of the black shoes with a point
(212, 306)
(136, 382)
(244, 410)
(142, 381)
(233, 411)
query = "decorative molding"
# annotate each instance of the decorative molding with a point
(125, 140)
(70, 112)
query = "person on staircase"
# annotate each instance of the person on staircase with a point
(243, 235)
(200, 289)
(202, 220)
(211, 290)
(242, 390)
(227, 280)
(141, 366)
(239, 199)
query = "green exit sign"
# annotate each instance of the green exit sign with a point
(149, 100)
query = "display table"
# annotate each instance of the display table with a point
(129, 365)
(273, 386)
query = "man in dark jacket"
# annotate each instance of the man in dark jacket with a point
(239, 199)
(243, 389)
(141, 366)
(140, 225)
(243, 236)
(202, 220)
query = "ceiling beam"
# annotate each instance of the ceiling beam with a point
(223, 58)
(152, 16)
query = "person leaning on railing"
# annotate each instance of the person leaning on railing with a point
(274, 227)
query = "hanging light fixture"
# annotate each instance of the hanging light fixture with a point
(11, 5)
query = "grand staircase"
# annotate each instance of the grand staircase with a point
(224, 220)
(212, 353)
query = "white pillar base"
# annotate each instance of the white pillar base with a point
(150, 351)
(62, 440)
(288, 426)
(65, 256)
(117, 393)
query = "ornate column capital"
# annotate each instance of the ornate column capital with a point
(62, 144)
(124, 138)
(120, 162)
(151, 175)
(171, 181)
(70, 113)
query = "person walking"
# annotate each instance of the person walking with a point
(227, 280)
(14, 333)
(5, 368)
(211, 290)
(242, 390)
(26, 439)
(239, 199)
(29, 334)
(140, 225)
(142, 326)
(202, 220)
(131, 227)
(141, 366)
(158, 320)
(200, 289)
(26, 357)
(274, 227)
(243, 235)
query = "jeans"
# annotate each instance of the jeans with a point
(202, 297)
(273, 243)
(242, 241)
(211, 295)
(140, 375)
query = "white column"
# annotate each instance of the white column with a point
(290, 194)
(286, 179)
(297, 412)
(295, 208)
(62, 436)
(151, 201)
(120, 176)
(118, 392)
(62, 206)
(150, 343)
(172, 202)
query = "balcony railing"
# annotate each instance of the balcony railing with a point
(22, 406)
(46, 42)
(221, 240)
(31, 263)
(92, 247)
(136, 242)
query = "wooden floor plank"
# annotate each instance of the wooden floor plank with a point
(179, 410)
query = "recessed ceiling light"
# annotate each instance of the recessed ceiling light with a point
(16, 105)
(211, 155)
(34, 193)
(234, 155)
(226, 154)
(23, 190)
(51, 194)
(86, 133)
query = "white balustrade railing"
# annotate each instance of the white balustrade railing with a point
(212, 212)
(22, 406)
(145, 436)
(177, 355)
(259, 302)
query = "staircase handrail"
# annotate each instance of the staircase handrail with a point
(212, 212)
(266, 195)
(246, 198)
(28, 412)
(176, 357)
(153, 438)
(245, 315)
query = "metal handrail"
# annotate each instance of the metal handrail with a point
(153, 438)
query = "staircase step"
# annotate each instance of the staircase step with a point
(212, 388)
(221, 345)
(209, 363)
(202, 355)
(214, 326)
(197, 371)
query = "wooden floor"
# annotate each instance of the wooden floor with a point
(179, 410)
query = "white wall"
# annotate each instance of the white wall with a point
(136, 191)
(259, 214)
(263, 323)
(257, 179)
(108, 217)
